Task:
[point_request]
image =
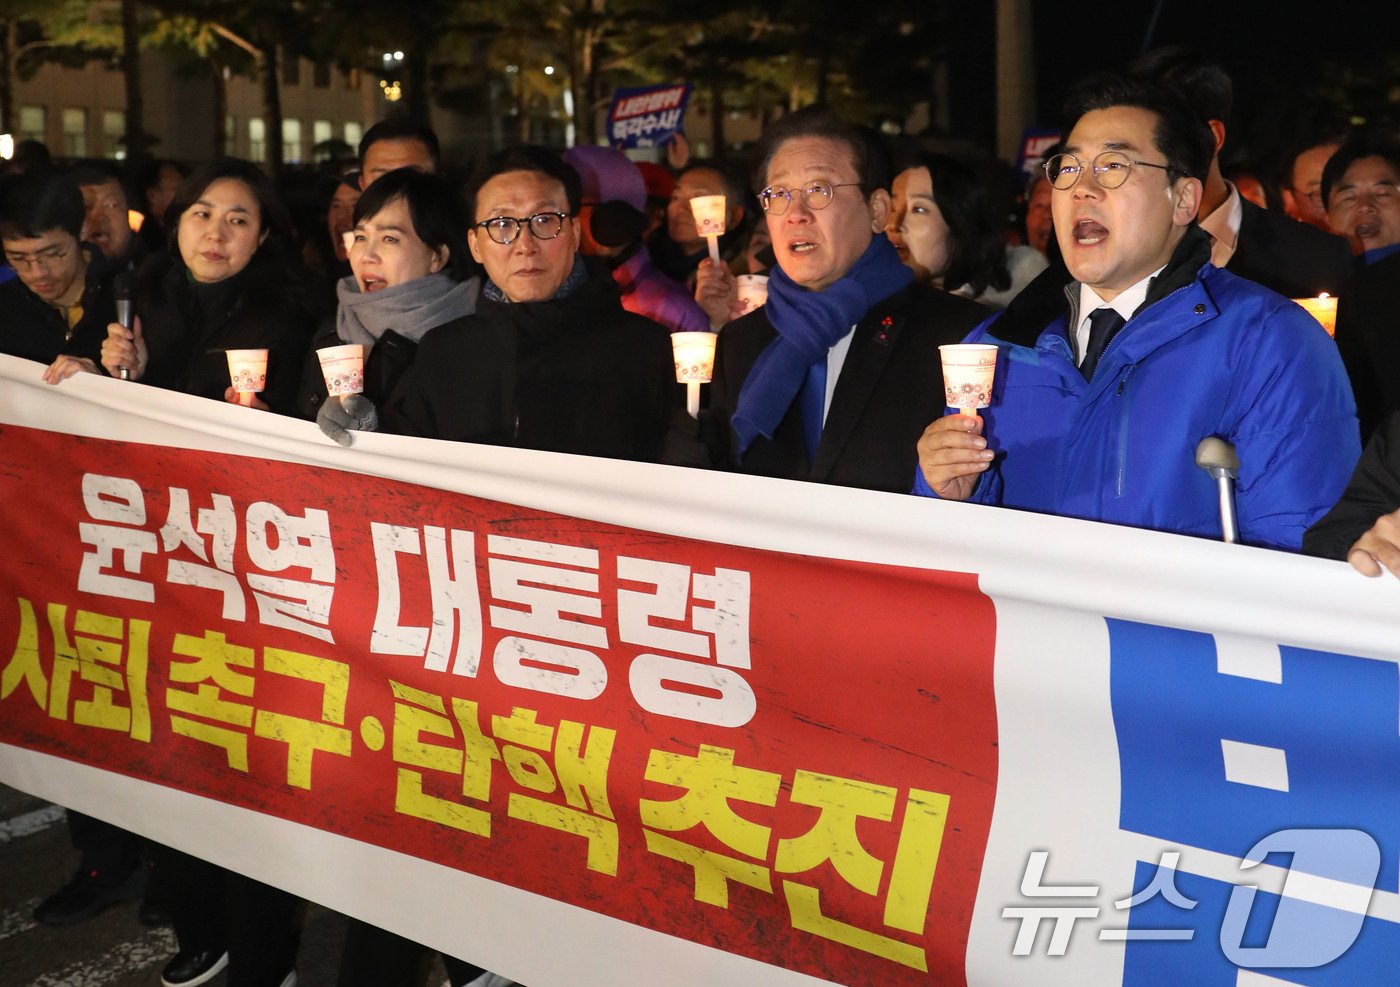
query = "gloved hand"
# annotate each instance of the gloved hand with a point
(338, 416)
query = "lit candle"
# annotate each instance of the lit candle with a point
(1323, 308)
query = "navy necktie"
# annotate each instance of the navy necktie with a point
(1104, 324)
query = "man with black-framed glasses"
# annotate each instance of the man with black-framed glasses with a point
(59, 305)
(549, 360)
(833, 379)
(1114, 365)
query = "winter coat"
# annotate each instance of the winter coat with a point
(577, 375)
(188, 327)
(33, 329)
(1207, 354)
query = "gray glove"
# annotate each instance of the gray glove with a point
(338, 416)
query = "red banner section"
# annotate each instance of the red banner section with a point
(789, 758)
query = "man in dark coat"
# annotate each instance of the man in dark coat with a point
(1368, 336)
(835, 378)
(1364, 525)
(1292, 258)
(61, 301)
(549, 360)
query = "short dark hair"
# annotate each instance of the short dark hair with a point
(525, 157)
(272, 211)
(871, 159)
(1180, 133)
(32, 205)
(31, 156)
(1362, 144)
(976, 243)
(1201, 83)
(149, 175)
(433, 209)
(98, 173)
(402, 129)
(734, 187)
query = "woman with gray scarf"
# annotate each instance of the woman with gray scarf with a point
(411, 271)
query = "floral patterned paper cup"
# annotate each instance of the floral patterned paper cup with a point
(695, 356)
(968, 372)
(708, 211)
(344, 368)
(753, 291)
(247, 369)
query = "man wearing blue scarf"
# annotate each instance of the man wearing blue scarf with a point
(832, 380)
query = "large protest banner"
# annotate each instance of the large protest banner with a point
(595, 722)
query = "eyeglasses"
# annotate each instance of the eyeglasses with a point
(775, 199)
(1110, 168)
(505, 230)
(43, 258)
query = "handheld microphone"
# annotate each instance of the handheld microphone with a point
(121, 287)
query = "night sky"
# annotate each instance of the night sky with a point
(1276, 53)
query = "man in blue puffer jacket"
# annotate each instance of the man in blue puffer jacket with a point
(1113, 367)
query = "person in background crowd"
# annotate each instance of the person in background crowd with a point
(1363, 199)
(1040, 226)
(611, 223)
(550, 360)
(397, 143)
(679, 249)
(30, 157)
(324, 257)
(107, 221)
(1249, 185)
(159, 180)
(834, 378)
(1254, 243)
(56, 311)
(227, 282)
(717, 287)
(340, 218)
(1302, 186)
(1361, 190)
(1363, 527)
(660, 184)
(411, 271)
(1114, 367)
(943, 226)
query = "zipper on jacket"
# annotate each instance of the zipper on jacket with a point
(1123, 428)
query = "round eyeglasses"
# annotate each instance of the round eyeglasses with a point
(775, 199)
(1110, 168)
(505, 230)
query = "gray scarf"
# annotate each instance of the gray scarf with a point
(410, 309)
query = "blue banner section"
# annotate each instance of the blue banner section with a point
(1221, 761)
(647, 117)
(1261, 929)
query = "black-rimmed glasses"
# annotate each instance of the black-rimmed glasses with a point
(505, 230)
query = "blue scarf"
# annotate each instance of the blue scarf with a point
(809, 323)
